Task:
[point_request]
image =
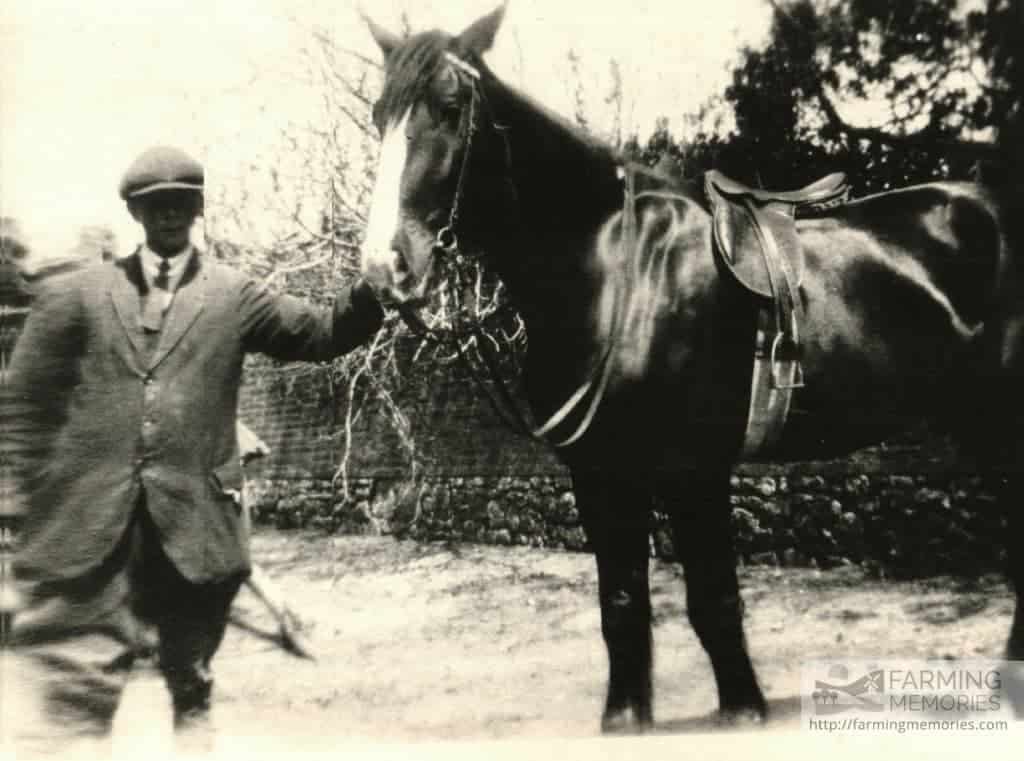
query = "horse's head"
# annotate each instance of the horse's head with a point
(427, 115)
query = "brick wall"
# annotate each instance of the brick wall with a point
(299, 412)
(301, 416)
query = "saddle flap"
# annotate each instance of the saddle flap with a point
(740, 234)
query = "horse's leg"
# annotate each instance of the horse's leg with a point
(701, 524)
(1012, 500)
(1013, 505)
(616, 521)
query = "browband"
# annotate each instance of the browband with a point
(458, 62)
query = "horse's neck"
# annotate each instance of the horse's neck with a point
(566, 187)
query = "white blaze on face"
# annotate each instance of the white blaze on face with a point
(378, 258)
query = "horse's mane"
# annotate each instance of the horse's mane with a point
(591, 144)
(413, 66)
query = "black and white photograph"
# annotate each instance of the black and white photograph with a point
(408, 379)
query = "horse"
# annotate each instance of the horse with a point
(643, 333)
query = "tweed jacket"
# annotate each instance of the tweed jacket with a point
(97, 411)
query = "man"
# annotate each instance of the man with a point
(120, 424)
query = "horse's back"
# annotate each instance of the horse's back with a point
(932, 251)
(900, 290)
(950, 230)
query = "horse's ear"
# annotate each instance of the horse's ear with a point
(385, 39)
(479, 36)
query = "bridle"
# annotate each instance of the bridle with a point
(447, 241)
(446, 247)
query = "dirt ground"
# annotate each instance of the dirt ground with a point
(432, 649)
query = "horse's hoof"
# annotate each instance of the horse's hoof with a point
(623, 723)
(742, 718)
(617, 723)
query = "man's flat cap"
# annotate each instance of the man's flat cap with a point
(161, 168)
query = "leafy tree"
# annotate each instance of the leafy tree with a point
(1000, 34)
(891, 93)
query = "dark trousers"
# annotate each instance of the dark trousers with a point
(73, 642)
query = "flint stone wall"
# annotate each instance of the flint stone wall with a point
(893, 524)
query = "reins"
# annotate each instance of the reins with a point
(446, 244)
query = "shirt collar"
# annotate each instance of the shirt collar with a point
(151, 266)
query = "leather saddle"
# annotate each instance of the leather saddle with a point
(755, 233)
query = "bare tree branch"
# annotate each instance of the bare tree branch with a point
(925, 138)
(299, 267)
(325, 40)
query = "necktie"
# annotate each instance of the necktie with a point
(156, 300)
(162, 279)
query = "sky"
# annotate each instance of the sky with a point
(86, 85)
